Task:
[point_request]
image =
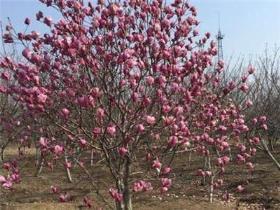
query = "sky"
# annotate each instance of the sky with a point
(249, 26)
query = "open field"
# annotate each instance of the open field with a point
(263, 190)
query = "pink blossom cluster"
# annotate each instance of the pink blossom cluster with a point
(12, 176)
(127, 81)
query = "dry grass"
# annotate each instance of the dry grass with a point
(186, 193)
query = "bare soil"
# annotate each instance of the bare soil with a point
(262, 188)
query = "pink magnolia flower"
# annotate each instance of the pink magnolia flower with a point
(251, 69)
(65, 112)
(43, 142)
(150, 120)
(54, 189)
(225, 160)
(240, 188)
(208, 173)
(166, 108)
(207, 34)
(36, 80)
(39, 15)
(83, 142)
(262, 119)
(7, 185)
(200, 172)
(96, 92)
(249, 103)
(27, 21)
(222, 128)
(64, 197)
(15, 177)
(140, 128)
(2, 179)
(148, 157)
(264, 126)
(156, 164)
(166, 182)
(3, 89)
(250, 166)
(150, 80)
(163, 189)
(137, 186)
(5, 75)
(48, 21)
(68, 164)
(179, 110)
(58, 149)
(87, 202)
(173, 141)
(256, 140)
(35, 58)
(141, 185)
(27, 53)
(135, 97)
(253, 151)
(195, 33)
(122, 151)
(165, 170)
(96, 131)
(225, 145)
(255, 121)
(111, 130)
(226, 196)
(42, 98)
(220, 162)
(242, 147)
(7, 166)
(240, 158)
(244, 88)
(100, 113)
(244, 78)
(117, 196)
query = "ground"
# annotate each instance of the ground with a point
(262, 190)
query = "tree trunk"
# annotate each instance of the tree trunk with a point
(40, 163)
(37, 157)
(275, 161)
(3, 147)
(127, 195)
(91, 157)
(211, 189)
(271, 143)
(126, 203)
(123, 186)
(190, 158)
(68, 172)
(2, 154)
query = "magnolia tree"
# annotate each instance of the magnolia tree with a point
(11, 129)
(125, 82)
(263, 95)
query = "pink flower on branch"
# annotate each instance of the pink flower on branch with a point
(117, 196)
(111, 130)
(58, 150)
(150, 120)
(142, 186)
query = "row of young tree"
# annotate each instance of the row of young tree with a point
(263, 94)
(124, 85)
